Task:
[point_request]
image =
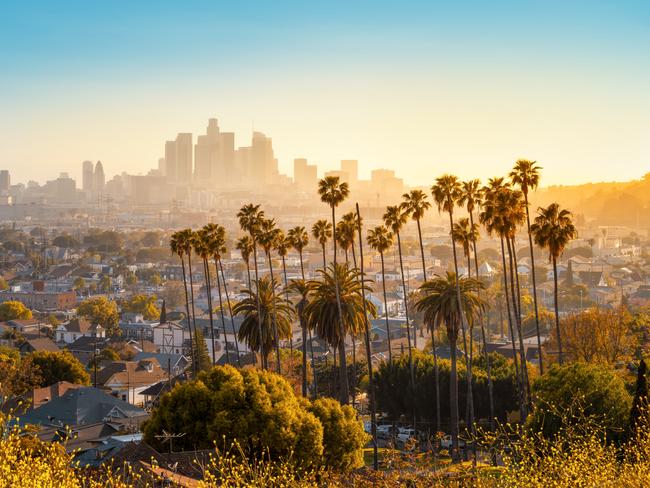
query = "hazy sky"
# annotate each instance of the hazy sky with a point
(419, 87)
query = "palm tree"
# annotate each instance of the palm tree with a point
(471, 198)
(268, 238)
(350, 223)
(333, 193)
(299, 238)
(553, 229)
(302, 290)
(343, 238)
(525, 175)
(395, 219)
(499, 218)
(446, 192)
(245, 247)
(250, 216)
(338, 285)
(322, 231)
(415, 204)
(381, 239)
(466, 233)
(178, 247)
(265, 300)
(201, 244)
(186, 238)
(282, 246)
(441, 306)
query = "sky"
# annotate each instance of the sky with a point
(423, 88)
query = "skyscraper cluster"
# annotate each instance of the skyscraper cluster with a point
(213, 162)
(93, 180)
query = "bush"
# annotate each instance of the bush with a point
(566, 394)
(258, 412)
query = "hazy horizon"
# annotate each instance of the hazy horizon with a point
(400, 87)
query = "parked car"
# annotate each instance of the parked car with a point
(445, 442)
(385, 431)
(405, 435)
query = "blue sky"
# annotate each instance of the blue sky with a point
(421, 87)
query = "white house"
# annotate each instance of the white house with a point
(171, 338)
(70, 331)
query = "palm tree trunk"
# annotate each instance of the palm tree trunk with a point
(232, 319)
(483, 335)
(521, 331)
(311, 345)
(522, 357)
(284, 272)
(353, 387)
(454, 401)
(532, 263)
(264, 354)
(278, 369)
(510, 326)
(206, 270)
(223, 319)
(303, 327)
(371, 381)
(557, 312)
(324, 257)
(343, 371)
(187, 308)
(406, 311)
(189, 265)
(383, 283)
(248, 272)
(470, 391)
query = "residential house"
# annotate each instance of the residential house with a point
(127, 379)
(77, 327)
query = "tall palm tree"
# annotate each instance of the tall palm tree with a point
(268, 238)
(282, 246)
(471, 198)
(245, 247)
(553, 230)
(186, 238)
(394, 218)
(343, 239)
(302, 290)
(322, 232)
(446, 193)
(264, 303)
(499, 218)
(351, 222)
(338, 285)
(441, 306)
(201, 244)
(381, 239)
(333, 192)
(415, 204)
(525, 175)
(299, 238)
(221, 251)
(250, 216)
(177, 246)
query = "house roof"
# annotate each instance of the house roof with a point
(88, 344)
(78, 406)
(133, 373)
(80, 324)
(41, 344)
(163, 359)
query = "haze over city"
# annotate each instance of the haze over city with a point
(462, 87)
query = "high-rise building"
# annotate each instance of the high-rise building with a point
(305, 175)
(184, 157)
(351, 167)
(161, 166)
(87, 178)
(264, 166)
(170, 161)
(99, 179)
(206, 155)
(5, 182)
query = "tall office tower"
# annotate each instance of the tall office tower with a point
(170, 161)
(351, 167)
(5, 182)
(226, 171)
(264, 165)
(206, 155)
(87, 178)
(99, 179)
(304, 175)
(184, 157)
(161, 166)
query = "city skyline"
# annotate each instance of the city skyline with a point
(563, 85)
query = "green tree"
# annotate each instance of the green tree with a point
(79, 283)
(3, 284)
(59, 366)
(143, 304)
(201, 355)
(249, 330)
(179, 244)
(343, 434)
(553, 230)
(447, 302)
(566, 394)
(105, 283)
(14, 310)
(101, 311)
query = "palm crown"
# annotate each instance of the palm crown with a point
(446, 192)
(525, 175)
(298, 238)
(245, 247)
(322, 231)
(471, 195)
(394, 218)
(465, 233)
(250, 216)
(415, 204)
(332, 191)
(380, 238)
(553, 229)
